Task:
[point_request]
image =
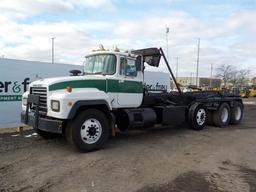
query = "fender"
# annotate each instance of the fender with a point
(79, 104)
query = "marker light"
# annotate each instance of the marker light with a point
(69, 89)
(70, 103)
(116, 49)
(24, 101)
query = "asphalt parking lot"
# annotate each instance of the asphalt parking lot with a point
(159, 160)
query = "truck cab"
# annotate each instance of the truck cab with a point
(120, 74)
(123, 76)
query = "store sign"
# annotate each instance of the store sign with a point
(156, 87)
(157, 81)
(12, 90)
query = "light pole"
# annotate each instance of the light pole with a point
(177, 66)
(53, 49)
(197, 61)
(167, 42)
(211, 77)
(191, 75)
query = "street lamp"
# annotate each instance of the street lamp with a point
(211, 76)
(197, 62)
(167, 42)
(177, 66)
(53, 49)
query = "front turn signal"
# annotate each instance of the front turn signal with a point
(69, 89)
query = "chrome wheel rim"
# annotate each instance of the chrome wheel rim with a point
(91, 131)
(224, 115)
(201, 116)
(238, 113)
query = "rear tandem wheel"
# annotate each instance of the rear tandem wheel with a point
(197, 116)
(221, 117)
(237, 112)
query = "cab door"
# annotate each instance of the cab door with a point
(130, 83)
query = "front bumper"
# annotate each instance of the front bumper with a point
(38, 122)
(44, 124)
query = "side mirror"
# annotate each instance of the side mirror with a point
(75, 72)
(138, 63)
(152, 60)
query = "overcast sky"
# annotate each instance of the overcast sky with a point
(227, 29)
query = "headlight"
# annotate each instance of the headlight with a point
(24, 101)
(55, 105)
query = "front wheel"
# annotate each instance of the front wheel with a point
(89, 130)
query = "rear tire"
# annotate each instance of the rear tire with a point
(197, 116)
(209, 118)
(88, 131)
(237, 112)
(221, 117)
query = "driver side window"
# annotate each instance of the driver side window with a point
(128, 67)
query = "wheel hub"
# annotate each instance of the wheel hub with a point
(201, 116)
(91, 131)
(224, 115)
(238, 113)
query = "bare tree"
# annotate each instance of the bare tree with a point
(243, 76)
(229, 74)
(225, 72)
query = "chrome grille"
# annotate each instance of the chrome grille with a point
(42, 92)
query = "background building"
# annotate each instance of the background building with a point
(203, 81)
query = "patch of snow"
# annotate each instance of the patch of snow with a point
(30, 135)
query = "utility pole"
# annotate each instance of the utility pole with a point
(211, 77)
(191, 74)
(197, 62)
(53, 49)
(177, 66)
(167, 42)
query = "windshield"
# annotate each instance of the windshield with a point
(100, 64)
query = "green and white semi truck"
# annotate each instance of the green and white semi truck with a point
(110, 94)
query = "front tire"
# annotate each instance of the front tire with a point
(89, 130)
